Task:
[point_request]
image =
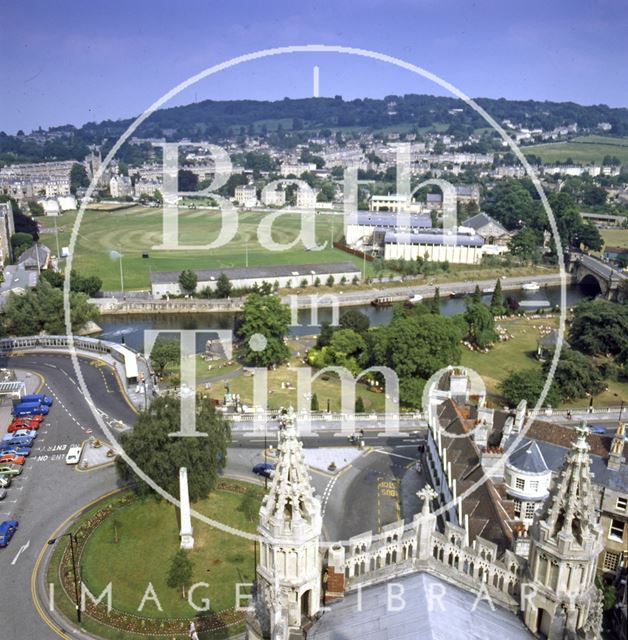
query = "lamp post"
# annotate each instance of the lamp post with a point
(74, 571)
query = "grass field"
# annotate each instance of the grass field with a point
(615, 237)
(137, 230)
(519, 353)
(588, 149)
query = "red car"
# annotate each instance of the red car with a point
(12, 458)
(23, 423)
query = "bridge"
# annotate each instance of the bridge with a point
(613, 283)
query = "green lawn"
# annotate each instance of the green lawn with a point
(589, 150)
(615, 237)
(136, 230)
(519, 353)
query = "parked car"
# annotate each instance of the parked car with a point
(29, 409)
(12, 457)
(22, 425)
(27, 421)
(21, 433)
(7, 529)
(264, 469)
(10, 469)
(20, 451)
(74, 454)
(5, 482)
(20, 441)
(598, 429)
(37, 397)
(3, 493)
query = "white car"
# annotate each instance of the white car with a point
(74, 454)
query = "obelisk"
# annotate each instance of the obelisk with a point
(187, 539)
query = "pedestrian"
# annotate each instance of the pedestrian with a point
(194, 635)
(192, 630)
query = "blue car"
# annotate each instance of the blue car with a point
(598, 429)
(264, 469)
(20, 441)
(7, 529)
(20, 433)
(18, 451)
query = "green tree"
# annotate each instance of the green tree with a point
(223, 286)
(165, 352)
(78, 178)
(20, 242)
(528, 385)
(330, 281)
(356, 320)
(160, 456)
(411, 392)
(359, 405)
(347, 348)
(599, 327)
(526, 245)
(188, 280)
(188, 181)
(588, 236)
(325, 334)
(481, 325)
(314, 406)
(435, 302)
(575, 376)
(476, 298)
(264, 316)
(497, 306)
(180, 572)
(89, 285)
(511, 203)
(36, 209)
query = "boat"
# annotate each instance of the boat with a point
(413, 299)
(531, 286)
(384, 301)
(488, 290)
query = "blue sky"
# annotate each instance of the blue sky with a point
(71, 62)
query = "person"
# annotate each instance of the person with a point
(192, 630)
(194, 635)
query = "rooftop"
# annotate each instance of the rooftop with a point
(436, 237)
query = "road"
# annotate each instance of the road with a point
(45, 497)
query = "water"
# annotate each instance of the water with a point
(129, 329)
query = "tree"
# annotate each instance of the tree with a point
(325, 334)
(588, 236)
(314, 406)
(435, 302)
(476, 297)
(188, 280)
(89, 285)
(526, 245)
(264, 316)
(511, 204)
(481, 325)
(53, 277)
(497, 306)
(249, 505)
(599, 327)
(36, 209)
(78, 178)
(223, 286)
(528, 385)
(188, 180)
(165, 352)
(575, 376)
(20, 242)
(180, 573)
(330, 281)
(411, 392)
(42, 309)
(356, 320)
(347, 348)
(359, 405)
(160, 456)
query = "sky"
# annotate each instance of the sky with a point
(71, 61)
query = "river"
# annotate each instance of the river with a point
(130, 329)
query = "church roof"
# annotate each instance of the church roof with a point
(423, 616)
(528, 458)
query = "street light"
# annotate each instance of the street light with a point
(74, 571)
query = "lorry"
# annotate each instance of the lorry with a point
(37, 397)
(29, 409)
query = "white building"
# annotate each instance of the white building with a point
(120, 186)
(363, 224)
(306, 198)
(395, 202)
(273, 197)
(246, 195)
(296, 168)
(164, 283)
(436, 247)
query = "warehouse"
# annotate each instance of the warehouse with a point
(362, 225)
(435, 246)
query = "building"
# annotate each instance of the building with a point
(306, 198)
(36, 258)
(7, 229)
(273, 197)
(120, 186)
(491, 231)
(603, 219)
(165, 283)
(435, 246)
(467, 193)
(395, 202)
(367, 227)
(50, 179)
(618, 255)
(146, 187)
(246, 195)
(296, 168)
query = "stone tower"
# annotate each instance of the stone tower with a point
(560, 597)
(288, 585)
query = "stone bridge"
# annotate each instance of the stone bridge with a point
(613, 283)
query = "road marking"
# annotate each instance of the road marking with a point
(326, 494)
(22, 549)
(396, 455)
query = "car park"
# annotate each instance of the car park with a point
(7, 530)
(74, 454)
(264, 469)
(13, 458)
